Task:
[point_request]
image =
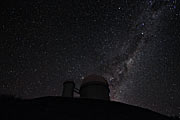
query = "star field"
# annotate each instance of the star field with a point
(133, 44)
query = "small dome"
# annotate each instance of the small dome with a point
(94, 78)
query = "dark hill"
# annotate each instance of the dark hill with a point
(72, 109)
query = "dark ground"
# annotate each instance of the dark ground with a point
(73, 108)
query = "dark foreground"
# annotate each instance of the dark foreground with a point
(59, 108)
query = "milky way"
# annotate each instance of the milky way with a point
(144, 30)
(143, 35)
(133, 44)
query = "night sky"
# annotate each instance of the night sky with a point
(132, 43)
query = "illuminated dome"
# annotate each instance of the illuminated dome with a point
(94, 87)
(94, 78)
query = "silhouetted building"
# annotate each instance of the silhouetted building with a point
(95, 87)
(68, 89)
